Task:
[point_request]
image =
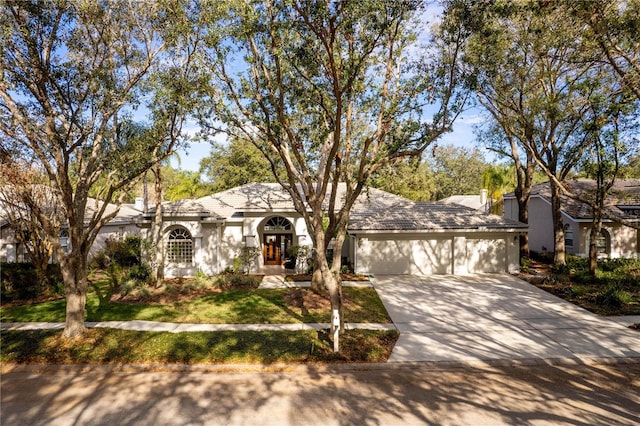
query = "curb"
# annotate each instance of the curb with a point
(315, 368)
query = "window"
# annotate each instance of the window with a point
(603, 242)
(277, 224)
(64, 240)
(180, 247)
(568, 235)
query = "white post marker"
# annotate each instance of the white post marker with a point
(336, 330)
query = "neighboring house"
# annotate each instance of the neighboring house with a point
(387, 234)
(479, 203)
(615, 239)
(125, 223)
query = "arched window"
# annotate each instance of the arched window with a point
(568, 235)
(180, 246)
(277, 223)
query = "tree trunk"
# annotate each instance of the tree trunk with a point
(524, 178)
(316, 277)
(74, 274)
(330, 279)
(158, 275)
(522, 197)
(558, 226)
(333, 284)
(594, 232)
(593, 248)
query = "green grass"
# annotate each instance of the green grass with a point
(256, 306)
(105, 346)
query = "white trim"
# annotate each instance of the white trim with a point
(522, 230)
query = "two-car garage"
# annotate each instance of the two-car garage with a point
(466, 253)
(434, 239)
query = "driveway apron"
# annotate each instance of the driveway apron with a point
(495, 317)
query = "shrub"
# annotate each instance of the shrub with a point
(122, 252)
(236, 280)
(346, 269)
(525, 264)
(246, 259)
(19, 281)
(610, 265)
(574, 265)
(613, 295)
(140, 272)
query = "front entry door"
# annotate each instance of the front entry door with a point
(275, 248)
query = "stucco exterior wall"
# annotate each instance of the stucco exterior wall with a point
(510, 208)
(112, 232)
(578, 239)
(624, 240)
(540, 226)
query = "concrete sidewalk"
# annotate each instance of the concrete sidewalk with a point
(181, 327)
(279, 281)
(496, 318)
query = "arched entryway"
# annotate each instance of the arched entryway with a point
(277, 237)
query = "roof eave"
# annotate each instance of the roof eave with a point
(460, 230)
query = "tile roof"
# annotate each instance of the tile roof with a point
(625, 192)
(271, 197)
(249, 197)
(373, 210)
(429, 216)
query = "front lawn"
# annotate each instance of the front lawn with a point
(237, 306)
(614, 291)
(109, 346)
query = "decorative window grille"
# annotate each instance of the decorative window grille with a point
(277, 223)
(180, 247)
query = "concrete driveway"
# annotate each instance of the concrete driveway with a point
(496, 318)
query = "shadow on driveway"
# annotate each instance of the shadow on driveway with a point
(491, 317)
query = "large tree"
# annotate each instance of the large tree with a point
(501, 137)
(456, 170)
(23, 188)
(333, 91)
(71, 74)
(411, 178)
(614, 26)
(536, 76)
(236, 163)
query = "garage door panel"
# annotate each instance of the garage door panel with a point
(432, 256)
(405, 256)
(486, 255)
(385, 257)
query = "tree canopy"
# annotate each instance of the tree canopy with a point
(332, 92)
(539, 75)
(234, 164)
(72, 73)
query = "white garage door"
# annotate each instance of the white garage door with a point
(486, 255)
(405, 256)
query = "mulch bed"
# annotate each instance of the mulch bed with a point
(307, 277)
